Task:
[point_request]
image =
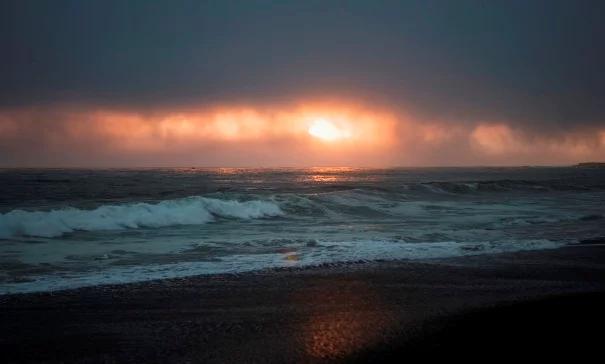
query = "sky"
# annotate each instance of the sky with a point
(301, 83)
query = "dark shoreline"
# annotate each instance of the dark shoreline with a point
(462, 307)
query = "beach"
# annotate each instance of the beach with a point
(510, 304)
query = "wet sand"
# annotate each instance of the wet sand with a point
(541, 304)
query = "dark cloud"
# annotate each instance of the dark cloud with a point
(96, 83)
(524, 62)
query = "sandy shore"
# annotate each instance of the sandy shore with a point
(541, 303)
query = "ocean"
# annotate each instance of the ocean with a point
(68, 228)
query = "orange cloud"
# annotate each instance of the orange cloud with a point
(275, 135)
(502, 141)
(130, 130)
(496, 139)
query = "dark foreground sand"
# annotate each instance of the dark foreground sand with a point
(531, 305)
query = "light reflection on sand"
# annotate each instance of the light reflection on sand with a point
(345, 319)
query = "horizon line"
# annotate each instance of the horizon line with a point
(306, 167)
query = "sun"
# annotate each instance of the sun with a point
(326, 130)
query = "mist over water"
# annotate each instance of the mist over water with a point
(69, 228)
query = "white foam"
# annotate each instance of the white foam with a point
(323, 252)
(186, 211)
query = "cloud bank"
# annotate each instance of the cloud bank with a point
(137, 83)
(281, 135)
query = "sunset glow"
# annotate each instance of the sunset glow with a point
(316, 132)
(326, 130)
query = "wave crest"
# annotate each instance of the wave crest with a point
(186, 211)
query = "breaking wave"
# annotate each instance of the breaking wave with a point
(186, 211)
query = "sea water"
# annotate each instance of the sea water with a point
(66, 228)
